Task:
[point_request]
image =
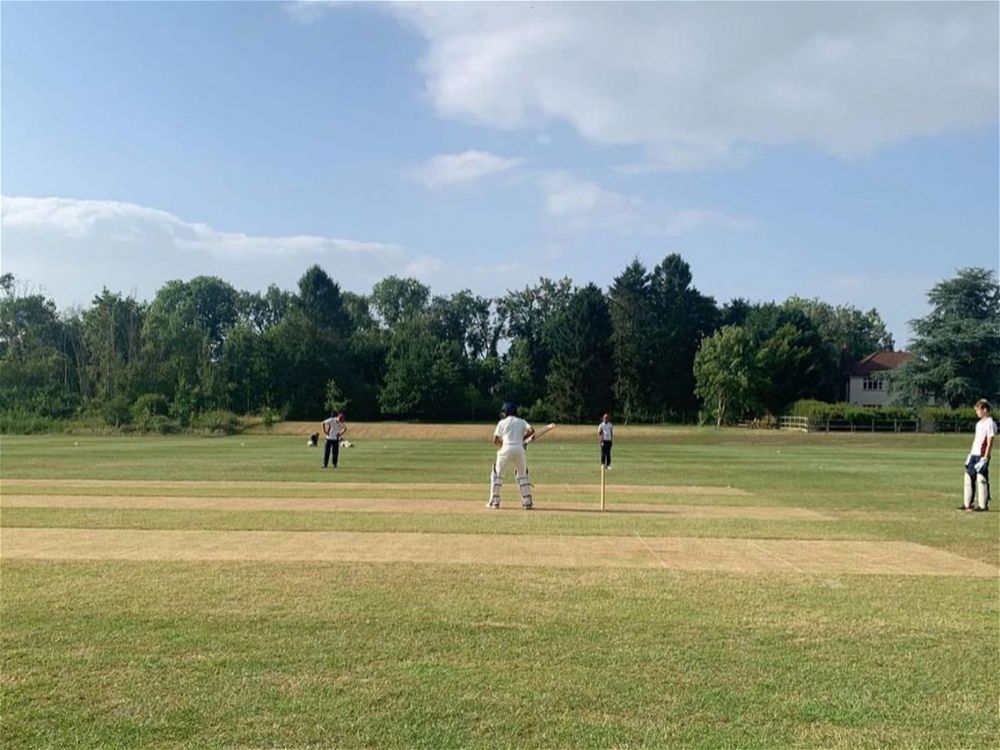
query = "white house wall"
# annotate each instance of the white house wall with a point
(857, 394)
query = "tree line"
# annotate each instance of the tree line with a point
(651, 347)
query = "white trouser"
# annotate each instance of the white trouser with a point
(512, 456)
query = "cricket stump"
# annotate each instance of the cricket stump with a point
(602, 486)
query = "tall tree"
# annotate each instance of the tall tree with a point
(956, 347)
(792, 360)
(111, 330)
(248, 366)
(396, 300)
(724, 371)
(357, 307)
(37, 373)
(423, 378)
(471, 322)
(261, 311)
(368, 351)
(846, 328)
(850, 333)
(580, 378)
(526, 316)
(735, 312)
(321, 302)
(682, 317)
(467, 319)
(184, 331)
(631, 310)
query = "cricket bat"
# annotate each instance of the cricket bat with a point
(542, 431)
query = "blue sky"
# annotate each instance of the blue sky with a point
(846, 151)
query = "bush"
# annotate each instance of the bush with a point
(268, 417)
(149, 413)
(89, 422)
(818, 412)
(149, 405)
(216, 422)
(765, 422)
(21, 422)
(160, 425)
(943, 419)
(116, 411)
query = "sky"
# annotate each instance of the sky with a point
(846, 151)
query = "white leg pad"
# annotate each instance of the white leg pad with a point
(524, 484)
(982, 491)
(970, 491)
(496, 482)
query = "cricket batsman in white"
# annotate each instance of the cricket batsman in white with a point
(510, 436)
(977, 463)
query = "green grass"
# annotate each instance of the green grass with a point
(223, 655)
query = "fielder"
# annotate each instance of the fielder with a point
(605, 433)
(334, 429)
(977, 464)
(510, 436)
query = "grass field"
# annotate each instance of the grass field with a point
(750, 590)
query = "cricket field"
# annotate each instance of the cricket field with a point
(742, 589)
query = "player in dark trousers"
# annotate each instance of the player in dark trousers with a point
(605, 433)
(334, 429)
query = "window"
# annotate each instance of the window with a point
(872, 384)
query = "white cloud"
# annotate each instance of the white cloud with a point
(584, 205)
(498, 269)
(424, 267)
(698, 84)
(581, 205)
(305, 11)
(452, 169)
(689, 219)
(71, 248)
(78, 218)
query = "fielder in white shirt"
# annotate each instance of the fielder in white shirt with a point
(605, 433)
(977, 463)
(509, 437)
(334, 429)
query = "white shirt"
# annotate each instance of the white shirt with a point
(335, 427)
(985, 428)
(605, 430)
(511, 430)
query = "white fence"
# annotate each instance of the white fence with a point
(804, 424)
(795, 424)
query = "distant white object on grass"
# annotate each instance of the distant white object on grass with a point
(243, 445)
(347, 443)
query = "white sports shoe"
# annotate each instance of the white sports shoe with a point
(494, 503)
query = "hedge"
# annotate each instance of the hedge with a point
(819, 412)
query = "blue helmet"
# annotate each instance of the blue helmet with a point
(509, 409)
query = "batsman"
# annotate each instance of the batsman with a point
(977, 464)
(509, 437)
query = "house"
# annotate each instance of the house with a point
(868, 380)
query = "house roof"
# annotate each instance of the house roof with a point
(879, 361)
